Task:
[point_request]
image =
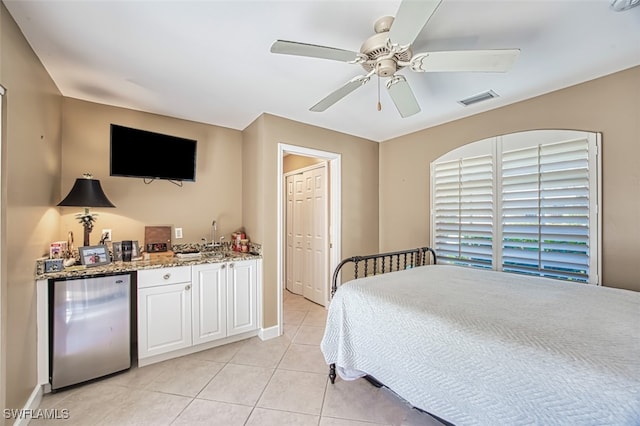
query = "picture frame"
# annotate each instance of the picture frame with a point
(135, 250)
(94, 255)
(117, 251)
(53, 265)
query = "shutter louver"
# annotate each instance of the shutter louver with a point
(545, 210)
(463, 211)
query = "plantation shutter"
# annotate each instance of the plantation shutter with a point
(463, 211)
(545, 210)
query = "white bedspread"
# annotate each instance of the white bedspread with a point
(491, 348)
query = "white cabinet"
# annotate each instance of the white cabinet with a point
(186, 306)
(225, 299)
(164, 310)
(242, 295)
(209, 301)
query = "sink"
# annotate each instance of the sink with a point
(189, 255)
(212, 254)
(201, 255)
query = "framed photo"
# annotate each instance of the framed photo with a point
(94, 255)
(117, 251)
(125, 250)
(53, 265)
(135, 250)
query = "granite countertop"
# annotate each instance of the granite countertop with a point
(136, 265)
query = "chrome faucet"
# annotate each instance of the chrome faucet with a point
(214, 228)
(212, 236)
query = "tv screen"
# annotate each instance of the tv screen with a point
(144, 154)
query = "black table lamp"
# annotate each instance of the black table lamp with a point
(86, 192)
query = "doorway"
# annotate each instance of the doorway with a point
(333, 178)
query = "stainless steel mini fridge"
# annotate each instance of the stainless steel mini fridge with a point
(89, 328)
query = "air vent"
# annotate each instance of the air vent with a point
(484, 96)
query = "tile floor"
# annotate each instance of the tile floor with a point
(282, 381)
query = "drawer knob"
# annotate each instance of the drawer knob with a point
(187, 287)
(166, 276)
(231, 265)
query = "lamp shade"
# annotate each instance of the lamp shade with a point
(86, 192)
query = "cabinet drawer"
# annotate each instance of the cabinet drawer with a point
(162, 276)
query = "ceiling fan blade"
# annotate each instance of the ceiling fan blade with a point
(335, 96)
(498, 60)
(311, 50)
(402, 96)
(411, 17)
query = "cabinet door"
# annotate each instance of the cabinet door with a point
(209, 298)
(242, 291)
(164, 319)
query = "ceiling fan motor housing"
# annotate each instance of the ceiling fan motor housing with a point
(375, 47)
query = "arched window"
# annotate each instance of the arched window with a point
(525, 202)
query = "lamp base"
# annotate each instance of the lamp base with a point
(87, 232)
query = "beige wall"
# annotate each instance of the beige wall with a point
(293, 162)
(216, 193)
(252, 182)
(359, 190)
(30, 188)
(610, 105)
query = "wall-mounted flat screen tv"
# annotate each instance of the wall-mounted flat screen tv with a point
(150, 155)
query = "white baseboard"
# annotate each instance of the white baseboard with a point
(142, 362)
(30, 406)
(269, 333)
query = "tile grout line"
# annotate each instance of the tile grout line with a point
(255, 405)
(204, 386)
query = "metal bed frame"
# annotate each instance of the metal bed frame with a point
(381, 263)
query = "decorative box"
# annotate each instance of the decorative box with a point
(58, 250)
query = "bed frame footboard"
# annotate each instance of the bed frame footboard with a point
(382, 263)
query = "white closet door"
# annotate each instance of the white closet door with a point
(298, 234)
(307, 213)
(320, 240)
(289, 235)
(307, 235)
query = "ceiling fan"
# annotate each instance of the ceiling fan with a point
(389, 50)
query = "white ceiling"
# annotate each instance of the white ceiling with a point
(209, 61)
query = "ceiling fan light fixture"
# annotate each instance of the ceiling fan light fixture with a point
(481, 97)
(622, 5)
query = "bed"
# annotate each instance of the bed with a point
(477, 347)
